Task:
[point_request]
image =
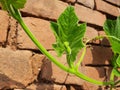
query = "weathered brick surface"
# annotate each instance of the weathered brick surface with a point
(60, 76)
(87, 3)
(70, 1)
(104, 41)
(107, 8)
(89, 15)
(56, 74)
(43, 86)
(91, 33)
(97, 55)
(12, 36)
(16, 69)
(21, 67)
(117, 2)
(36, 63)
(4, 23)
(41, 29)
(45, 8)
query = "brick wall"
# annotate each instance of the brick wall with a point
(22, 65)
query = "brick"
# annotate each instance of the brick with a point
(70, 1)
(97, 73)
(58, 75)
(89, 15)
(107, 8)
(36, 63)
(116, 2)
(44, 86)
(45, 8)
(87, 3)
(91, 33)
(104, 41)
(16, 68)
(12, 36)
(41, 29)
(4, 23)
(97, 55)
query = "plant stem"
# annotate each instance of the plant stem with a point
(50, 57)
(40, 47)
(112, 78)
(16, 14)
(81, 58)
(92, 80)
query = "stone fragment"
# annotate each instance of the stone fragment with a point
(107, 8)
(89, 15)
(36, 63)
(4, 24)
(87, 3)
(45, 8)
(41, 30)
(16, 70)
(116, 2)
(12, 36)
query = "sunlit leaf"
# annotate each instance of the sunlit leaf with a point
(69, 34)
(112, 28)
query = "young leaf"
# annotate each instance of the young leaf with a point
(15, 3)
(118, 61)
(112, 28)
(68, 33)
(116, 72)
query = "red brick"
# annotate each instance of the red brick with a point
(45, 8)
(4, 23)
(107, 8)
(97, 55)
(104, 41)
(87, 3)
(117, 2)
(91, 33)
(58, 75)
(44, 86)
(17, 68)
(41, 29)
(70, 1)
(89, 15)
(97, 73)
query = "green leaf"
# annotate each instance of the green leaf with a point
(118, 61)
(112, 29)
(69, 34)
(18, 4)
(114, 60)
(116, 72)
(58, 46)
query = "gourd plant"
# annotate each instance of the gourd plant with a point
(69, 36)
